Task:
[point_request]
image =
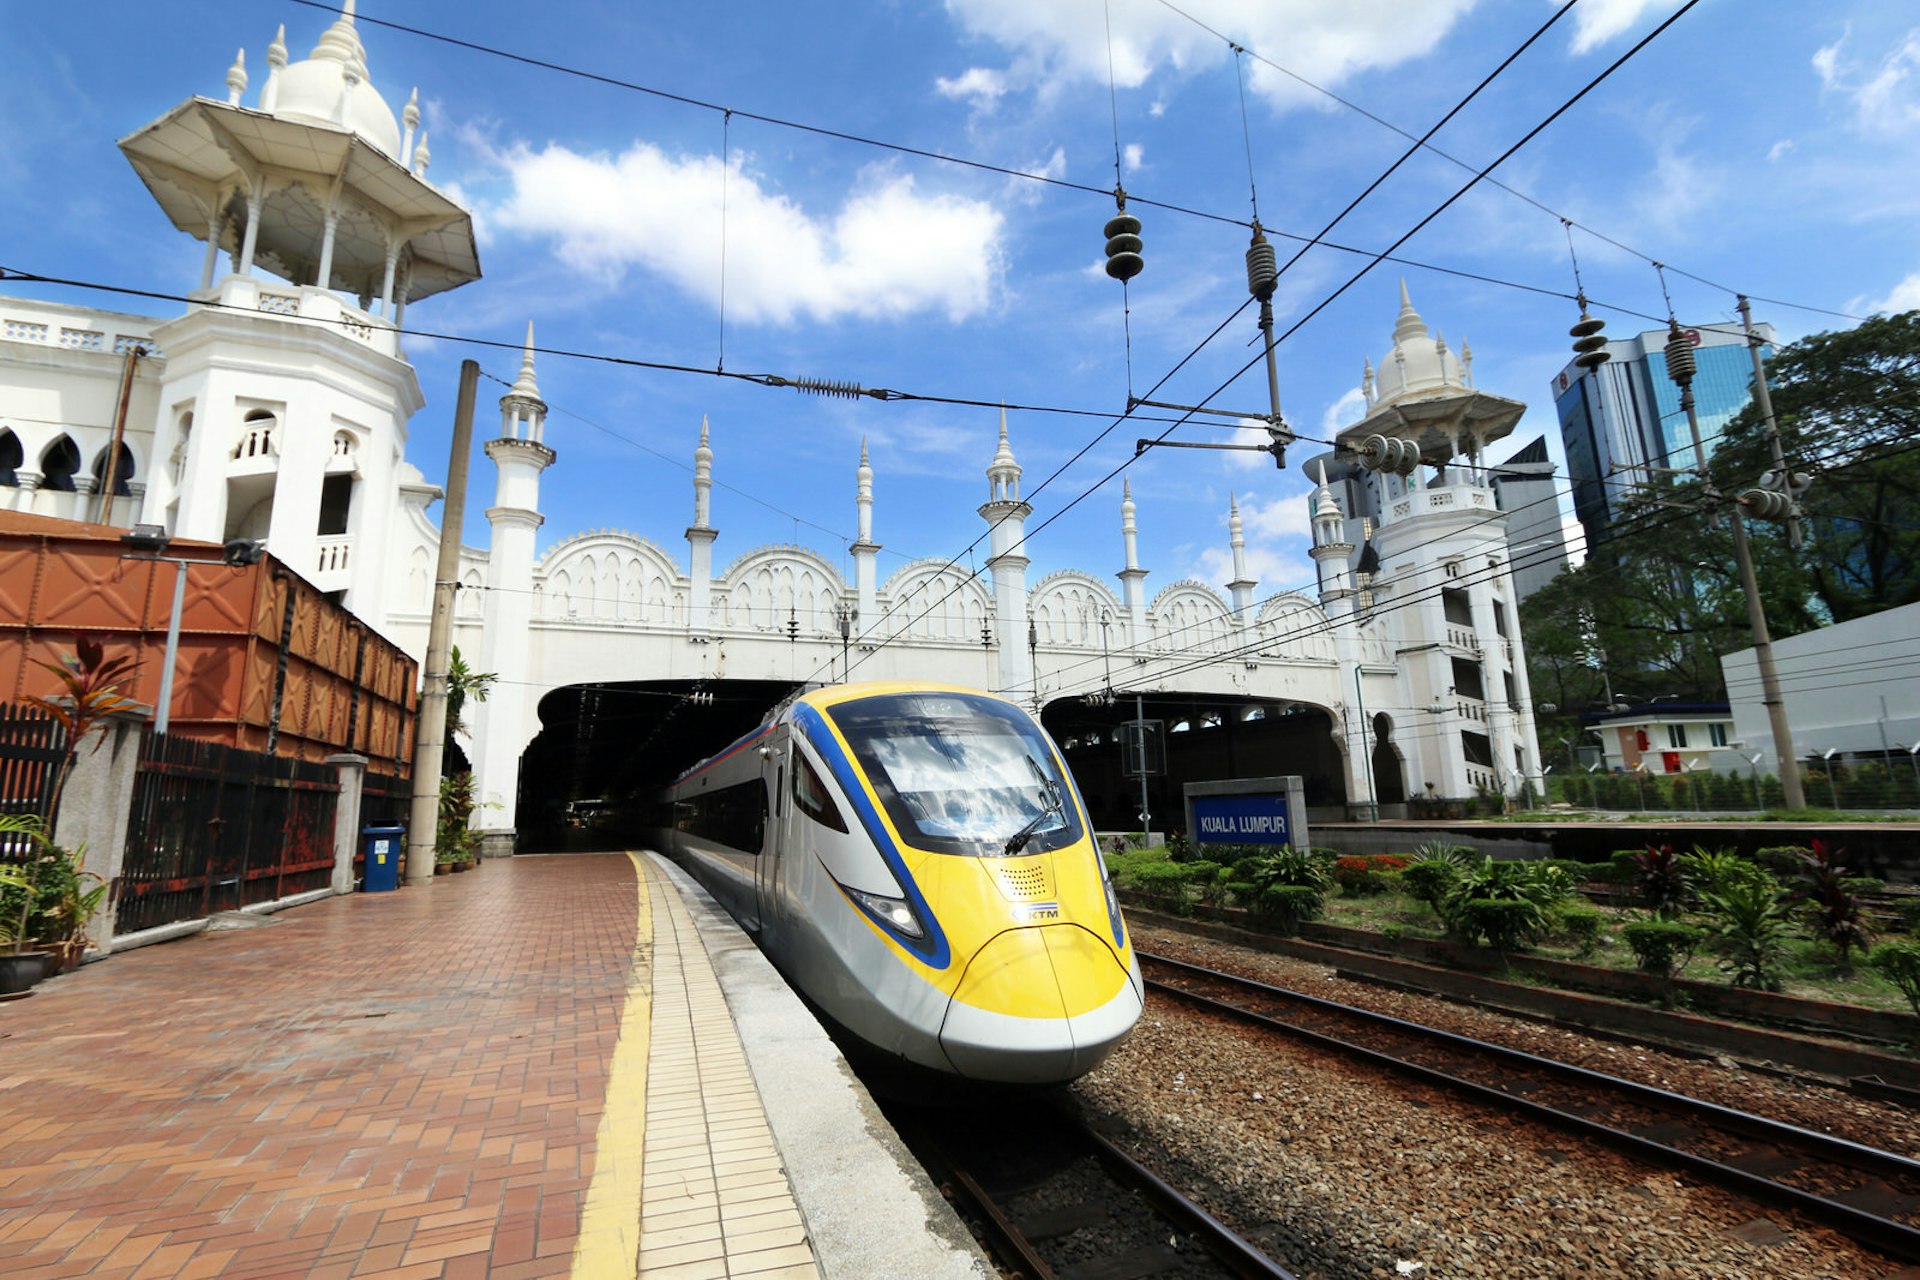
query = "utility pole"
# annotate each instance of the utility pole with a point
(1680, 368)
(430, 741)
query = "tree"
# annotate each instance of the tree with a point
(1848, 407)
(462, 683)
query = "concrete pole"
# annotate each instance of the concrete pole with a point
(431, 742)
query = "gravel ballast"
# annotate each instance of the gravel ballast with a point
(1341, 1170)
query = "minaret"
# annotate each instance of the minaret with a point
(503, 725)
(1242, 586)
(1133, 579)
(866, 550)
(1331, 550)
(700, 536)
(1007, 564)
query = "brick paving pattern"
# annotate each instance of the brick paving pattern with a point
(391, 1085)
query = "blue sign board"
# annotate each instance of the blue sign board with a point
(1240, 819)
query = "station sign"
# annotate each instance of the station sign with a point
(1265, 811)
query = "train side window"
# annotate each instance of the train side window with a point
(811, 796)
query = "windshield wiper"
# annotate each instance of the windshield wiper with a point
(1018, 840)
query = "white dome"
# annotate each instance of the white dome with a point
(1419, 366)
(310, 91)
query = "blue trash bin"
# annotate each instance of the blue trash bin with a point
(382, 846)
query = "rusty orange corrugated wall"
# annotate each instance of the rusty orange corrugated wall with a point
(60, 579)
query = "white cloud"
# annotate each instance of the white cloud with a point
(1904, 297)
(1344, 412)
(1886, 98)
(978, 86)
(1274, 568)
(888, 252)
(1132, 154)
(1779, 149)
(1054, 43)
(1597, 21)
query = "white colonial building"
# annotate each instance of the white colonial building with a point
(277, 405)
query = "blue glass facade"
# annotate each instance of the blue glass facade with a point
(1622, 420)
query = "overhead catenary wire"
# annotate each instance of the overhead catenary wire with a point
(1014, 172)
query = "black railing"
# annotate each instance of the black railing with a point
(216, 828)
(32, 744)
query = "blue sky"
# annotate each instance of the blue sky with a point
(1767, 148)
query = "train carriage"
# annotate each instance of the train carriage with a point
(917, 862)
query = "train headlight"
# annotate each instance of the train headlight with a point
(892, 912)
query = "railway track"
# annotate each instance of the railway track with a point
(1869, 1195)
(1056, 1201)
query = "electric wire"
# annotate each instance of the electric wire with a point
(1017, 173)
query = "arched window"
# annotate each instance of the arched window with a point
(256, 438)
(59, 464)
(122, 472)
(11, 456)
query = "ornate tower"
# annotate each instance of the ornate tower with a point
(1331, 551)
(503, 723)
(1439, 548)
(700, 536)
(1133, 579)
(1242, 586)
(865, 551)
(285, 407)
(1007, 563)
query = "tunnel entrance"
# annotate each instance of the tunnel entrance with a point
(1208, 738)
(604, 748)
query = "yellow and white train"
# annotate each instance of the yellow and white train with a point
(917, 862)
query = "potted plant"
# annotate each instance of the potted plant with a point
(90, 691)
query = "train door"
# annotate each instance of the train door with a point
(766, 873)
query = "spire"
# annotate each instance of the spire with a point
(1410, 324)
(1235, 529)
(421, 157)
(1003, 475)
(1129, 532)
(702, 477)
(276, 63)
(237, 78)
(864, 494)
(341, 41)
(410, 117)
(524, 385)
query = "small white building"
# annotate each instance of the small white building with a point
(1852, 689)
(1668, 737)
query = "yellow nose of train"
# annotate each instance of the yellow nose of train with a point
(1044, 997)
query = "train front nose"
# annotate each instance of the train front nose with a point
(1039, 1005)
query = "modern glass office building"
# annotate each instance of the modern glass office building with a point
(1623, 420)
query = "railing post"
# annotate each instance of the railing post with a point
(96, 807)
(346, 817)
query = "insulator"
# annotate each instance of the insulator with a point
(1373, 452)
(1262, 274)
(1767, 504)
(1409, 457)
(829, 387)
(1588, 343)
(1123, 247)
(1680, 364)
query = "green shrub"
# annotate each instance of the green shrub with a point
(1164, 884)
(1748, 917)
(1621, 869)
(1459, 855)
(1715, 869)
(1208, 880)
(1467, 914)
(1899, 963)
(1505, 924)
(1179, 848)
(1910, 915)
(1577, 872)
(1662, 947)
(1288, 866)
(1781, 861)
(1288, 906)
(1430, 880)
(1583, 925)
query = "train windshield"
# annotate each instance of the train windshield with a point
(961, 774)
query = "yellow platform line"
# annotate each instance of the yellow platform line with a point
(608, 1247)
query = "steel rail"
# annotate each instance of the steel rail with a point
(1872, 1230)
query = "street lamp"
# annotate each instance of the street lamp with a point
(1833, 792)
(152, 539)
(847, 615)
(1640, 776)
(1753, 763)
(1913, 758)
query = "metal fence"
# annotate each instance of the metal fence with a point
(216, 828)
(32, 744)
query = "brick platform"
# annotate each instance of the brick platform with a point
(389, 1085)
